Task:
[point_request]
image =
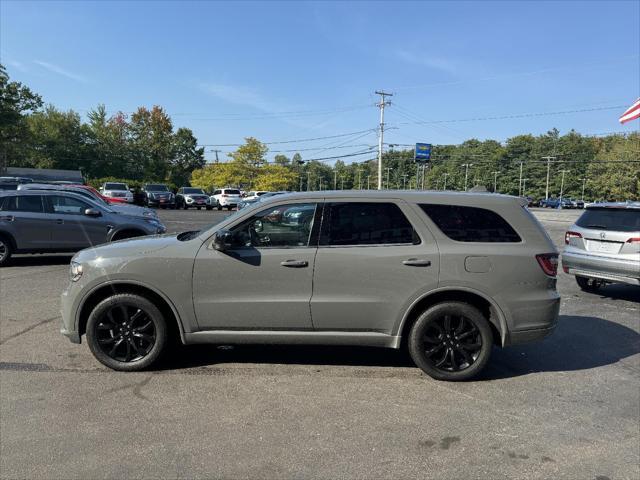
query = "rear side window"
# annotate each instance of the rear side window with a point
(25, 203)
(615, 219)
(217, 192)
(471, 224)
(360, 223)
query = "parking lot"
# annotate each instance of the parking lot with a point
(565, 408)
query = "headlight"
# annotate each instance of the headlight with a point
(75, 271)
(152, 221)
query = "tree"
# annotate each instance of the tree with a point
(16, 101)
(186, 156)
(152, 136)
(282, 160)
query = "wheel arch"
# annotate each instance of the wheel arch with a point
(10, 238)
(492, 312)
(119, 234)
(103, 291)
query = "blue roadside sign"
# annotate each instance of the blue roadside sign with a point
(423, 152)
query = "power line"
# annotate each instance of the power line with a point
(301, 140)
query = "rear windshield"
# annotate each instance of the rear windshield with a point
(471, 224)
(230, 191)
(616, 219)
(193, 190)
(157, 188)
(115, 186)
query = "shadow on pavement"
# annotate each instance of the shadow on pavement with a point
(39, 260)
(629, 293)
(579, 343)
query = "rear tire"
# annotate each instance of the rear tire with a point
(127, 332)
(587, 284)
(451, 341)
(198, 208)
(5, 250)
(219, 207)
(209, 208)
(185, 207)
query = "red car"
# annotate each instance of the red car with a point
(96, 193)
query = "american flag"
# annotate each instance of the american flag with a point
(631, 113)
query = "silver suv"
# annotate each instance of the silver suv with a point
(603, 246)
(447, 275)
(39, 221)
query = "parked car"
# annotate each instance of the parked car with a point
(117, 192)
(446, 274)
(192, 197)
(226, 198)
(92, 194)
(603, 246)
(245, 202)
(254, 194)
(158, 195)
(556, 203)
(39, 221)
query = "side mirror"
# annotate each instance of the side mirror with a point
(258, 226)
(222, 240)
(92, 212)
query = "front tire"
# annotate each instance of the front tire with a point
(5, 250)
(219, 207)
(451, 341)
(590, 285)
(127, 332)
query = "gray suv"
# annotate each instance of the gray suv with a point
(446, 275)
(603, 246)
(39, 221)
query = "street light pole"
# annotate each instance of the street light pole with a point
(562, 185)
(466, 174)
(520, 182)
(548, 159)
(381, 105)
(584, 182)
(388, 185)
(444, 185)
(524, 186)
(404, 181)
(359, 180)
(495, 181)
(308, 180)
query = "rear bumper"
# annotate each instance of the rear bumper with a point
(541, 320)
(603, 268)
(528, 336)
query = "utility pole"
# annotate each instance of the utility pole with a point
(524, 186)
(308, 180)
(216, 152)
(584, 182)
(548, 159)
(562, 185)
(466, 174)
(404, 181)
(495, 181)
(359, 179)
(444, 185)
(388, 185)
(381, 105)
(335, 179)
(520, 182)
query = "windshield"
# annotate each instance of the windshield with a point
(615, 219)
(194, 190)
(116, 186)
(157, 188)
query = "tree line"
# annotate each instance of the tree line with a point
(144, 146)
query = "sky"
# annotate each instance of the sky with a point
(293, 71)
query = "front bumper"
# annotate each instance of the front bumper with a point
(603, 268)
(159, 203)
(67, 312)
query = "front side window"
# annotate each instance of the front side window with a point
(25, 203)
(361, 223)
(282, 226)
(471, 224)
(68, 205)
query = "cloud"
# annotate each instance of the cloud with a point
(17, 65)
(60, 71)
(436, 63)
(239, 95)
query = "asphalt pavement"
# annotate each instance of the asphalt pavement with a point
(568, 407)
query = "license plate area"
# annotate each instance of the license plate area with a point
(603, 247)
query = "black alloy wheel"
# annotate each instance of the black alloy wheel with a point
(5, 250)
(126, 332)
(451, 341)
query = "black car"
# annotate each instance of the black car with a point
(158, 195)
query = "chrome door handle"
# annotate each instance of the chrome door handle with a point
(7, 218)
(417, 262)
(295, 263)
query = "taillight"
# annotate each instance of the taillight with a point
(634, 240)
(569, 235)
(549, 263)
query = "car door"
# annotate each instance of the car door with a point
(25, 218)
(375, 257)
(72, 228)
(264, 280)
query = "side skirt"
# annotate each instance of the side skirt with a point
(363, 339)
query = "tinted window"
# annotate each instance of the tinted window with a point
(157, 188)
(189, 190)
(358, 223)
(230, 191)
(281, 226)
(217, 192)
(25, 203)
(115, 186)
(8, 186)
(471, 224)
(616, 219)
(68, 205)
